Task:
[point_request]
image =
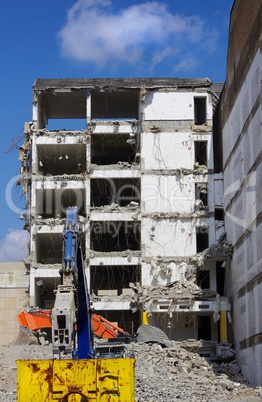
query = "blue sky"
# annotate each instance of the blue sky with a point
(94, 38)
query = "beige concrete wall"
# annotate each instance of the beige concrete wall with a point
(11, 302)
(13, 298)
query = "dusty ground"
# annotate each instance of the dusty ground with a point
(162, 375)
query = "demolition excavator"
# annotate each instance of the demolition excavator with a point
(38, 322)
(78, 372)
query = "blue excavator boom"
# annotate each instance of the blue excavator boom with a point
(71, 315)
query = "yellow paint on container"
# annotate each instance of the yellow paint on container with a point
(101, 380)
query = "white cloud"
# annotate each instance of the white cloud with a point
(145, 33)
(14, 246)
(162, 54)
(188, 63)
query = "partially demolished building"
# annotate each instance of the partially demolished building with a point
(136, 157)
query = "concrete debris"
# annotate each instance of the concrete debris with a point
(25, 337)
(37, 265)
(155, 129)
(39, 220)
(200, 169)
(198, 259)
(115, 207)
(201, 128)
(119, 165)
(122, 254)
(232, 367)
(177, 215)
(199, 205)
(166, 375)
(162, 268)
(225, 352)
(119, 298)
(142, 94)
(173, 292)
(183, 171)
(136, 297)
(131, 141)
(23, 151)
(214, 351)
(220, 249)
(63, 177)
(162, 374)
(60, 132)
(24, 155)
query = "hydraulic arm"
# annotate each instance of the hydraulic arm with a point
(71, 315)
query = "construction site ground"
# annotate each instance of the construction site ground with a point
(162, 374)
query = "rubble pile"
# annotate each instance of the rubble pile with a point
(162, 374)
(176, 374)
(8, 368)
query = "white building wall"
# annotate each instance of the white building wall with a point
(161, 193)
(168, 237)
(173, 105)
(242, 138)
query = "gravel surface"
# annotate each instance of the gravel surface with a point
(162, 375)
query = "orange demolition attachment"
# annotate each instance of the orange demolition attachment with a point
(35, 319)
(106, 329)
(39, 319)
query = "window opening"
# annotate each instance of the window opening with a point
(201, 194)
(220, 277)
(52, 203)
(113, 149)
(202, 241)
(115, 105)
(201, 152)
(204, 327)
(118, 191)
(219, 214)
(203, 279)
(59, 159)
(200, 110)
(44, 291)
(113, 277)
(62, 110)
(49, 248)
(115, 236)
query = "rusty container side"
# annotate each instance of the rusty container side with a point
(103, 380)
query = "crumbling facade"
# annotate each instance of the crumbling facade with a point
(136, 157)
(240, 118)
